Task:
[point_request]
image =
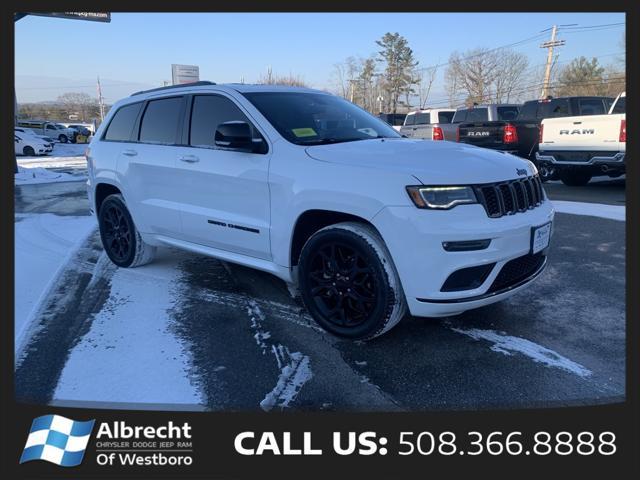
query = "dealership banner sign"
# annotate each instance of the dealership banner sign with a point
(93, 16)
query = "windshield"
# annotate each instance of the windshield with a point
(316, 118)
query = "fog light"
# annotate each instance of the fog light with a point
(466, 245)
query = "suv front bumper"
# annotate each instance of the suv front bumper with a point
(415, 240)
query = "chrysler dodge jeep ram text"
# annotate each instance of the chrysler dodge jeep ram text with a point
(318, 192)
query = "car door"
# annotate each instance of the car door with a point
(50, 130)
(147, 166)
(226, 200)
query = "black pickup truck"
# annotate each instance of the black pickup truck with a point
(520, 136)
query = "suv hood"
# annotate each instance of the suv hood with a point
(433, 163)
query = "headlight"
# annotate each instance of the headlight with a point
(441, 197)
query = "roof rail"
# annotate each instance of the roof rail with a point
(193, 84)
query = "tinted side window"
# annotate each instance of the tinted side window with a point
(477, 115)
(445, 117)
(507, 113)
(410, 120)
(555, 108)
(591, 106)
(160, 121)
(460, 116)
(122, 123)
(620, 106)
(207, 113)
(399, 119)
(422, 118)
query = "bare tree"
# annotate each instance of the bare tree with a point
(510, 69)
(81, 104)
(424, 80)
(270, 78)
(474, 73)
(344, 74)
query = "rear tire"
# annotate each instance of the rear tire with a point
(120, 238)
(575, 178)
(349, 283)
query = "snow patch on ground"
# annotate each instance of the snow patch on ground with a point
(507, 345)
(130, 354)
(295, 371)
(612, 212)
(44, 244)
(31, 176)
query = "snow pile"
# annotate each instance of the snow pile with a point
(30, 176)
(44, 243)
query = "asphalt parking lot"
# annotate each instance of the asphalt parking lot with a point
(189, 332)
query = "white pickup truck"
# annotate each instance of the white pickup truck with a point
(580, 148)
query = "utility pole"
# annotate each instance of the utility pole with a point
(547, 72)
(100, 100)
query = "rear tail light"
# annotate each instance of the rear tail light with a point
(510, 134)
(437, 134)
(541, 133)
(623, 131)
(457, 134)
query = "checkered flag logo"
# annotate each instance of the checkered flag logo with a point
(57, 440)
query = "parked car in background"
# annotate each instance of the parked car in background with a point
(396, 120)
(48, 141)
(29, 146)
(50, 129)
(519, 135)
(585, 146)
(430, 124)
(81, 129)
(314, 190)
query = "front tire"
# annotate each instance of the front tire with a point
(29, 151)
(63, 139)
(575, 178)
(349, 283)
(120, 238)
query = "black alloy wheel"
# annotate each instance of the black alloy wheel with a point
(117, 233)
(342, 284)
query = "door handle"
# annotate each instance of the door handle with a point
(189, 159)
(130, 153)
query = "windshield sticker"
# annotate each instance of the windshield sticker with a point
(304, 132)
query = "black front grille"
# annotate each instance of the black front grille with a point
(508, 198)
(517, 270)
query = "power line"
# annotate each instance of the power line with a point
(479, 54)
(526, 88)
(579, 27)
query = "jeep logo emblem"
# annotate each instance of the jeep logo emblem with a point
(521, 171)
(584, 131)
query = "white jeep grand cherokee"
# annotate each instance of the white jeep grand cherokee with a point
(318, 192)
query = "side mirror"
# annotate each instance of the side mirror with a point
(235, 135)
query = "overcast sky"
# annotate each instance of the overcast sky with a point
(136, 50)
